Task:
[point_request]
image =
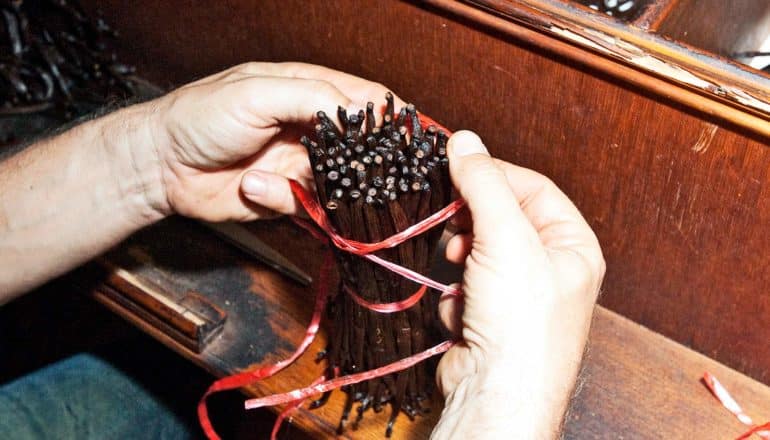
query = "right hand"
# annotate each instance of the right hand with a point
(533, 269)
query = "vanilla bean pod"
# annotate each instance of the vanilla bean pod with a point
(55, 58)
(375, 180)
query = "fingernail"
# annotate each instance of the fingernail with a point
(253, 184)
(466, 142)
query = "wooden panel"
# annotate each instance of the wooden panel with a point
(679, 200)
(722, 27)
(637, 384)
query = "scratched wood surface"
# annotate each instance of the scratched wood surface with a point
(637, 384)
(678, 198)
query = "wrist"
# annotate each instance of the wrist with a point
(133, 142)
(503, 400)
(474, 409)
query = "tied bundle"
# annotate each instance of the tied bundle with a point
(375, 181)
(386, 188)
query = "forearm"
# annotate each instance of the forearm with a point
(67, 199)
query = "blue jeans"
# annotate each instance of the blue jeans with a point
(87, 397)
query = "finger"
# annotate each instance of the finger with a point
(270, 191)
(497, 217)
(458, 247)
(255, 108)
(556, 219)
(461, 221)
(358, 89)
(450, 310)
(285, 100)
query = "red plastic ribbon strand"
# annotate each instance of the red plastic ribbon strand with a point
(392, 307)
(318, 215)
(724, 397)
(290, 409)
(304, 393)
(761, 430)
(249, 377)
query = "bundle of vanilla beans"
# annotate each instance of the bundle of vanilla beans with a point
(375, 181)
(622, 9)
(55, 57)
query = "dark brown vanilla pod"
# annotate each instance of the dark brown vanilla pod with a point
(626, 10)
(375, 180)
(54, 57)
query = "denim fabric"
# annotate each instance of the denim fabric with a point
(86, 397)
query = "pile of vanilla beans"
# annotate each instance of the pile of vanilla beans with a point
(54, 57)
(622, 9)
(374, 181)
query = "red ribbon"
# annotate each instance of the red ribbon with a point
(314, 210)
(350, 379)
(389, 307)
(290, 409)
(327, 234)
(242, 379)
(724, 397)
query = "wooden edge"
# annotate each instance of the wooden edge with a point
(655, 65)
(193, 320)
(621, 40)
(102, 295)
(655, 14)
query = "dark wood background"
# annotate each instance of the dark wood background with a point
(679, 200)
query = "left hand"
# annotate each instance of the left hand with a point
(227, 144)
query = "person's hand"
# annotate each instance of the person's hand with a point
(533, 269)
(227, 144)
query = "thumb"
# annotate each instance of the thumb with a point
(271, 191)
(483, 185)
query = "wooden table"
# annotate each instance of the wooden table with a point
(637, 384)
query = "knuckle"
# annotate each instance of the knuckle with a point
(600, 267)
(590, 275)
(292, 67)
(323, 88)
(544, 183)
(246, 68)
(377, 89)
(480, 169)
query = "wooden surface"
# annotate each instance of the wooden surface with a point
(192, 319)
(679, 199)
(718, 26)
(640, 385)
(637, 384)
